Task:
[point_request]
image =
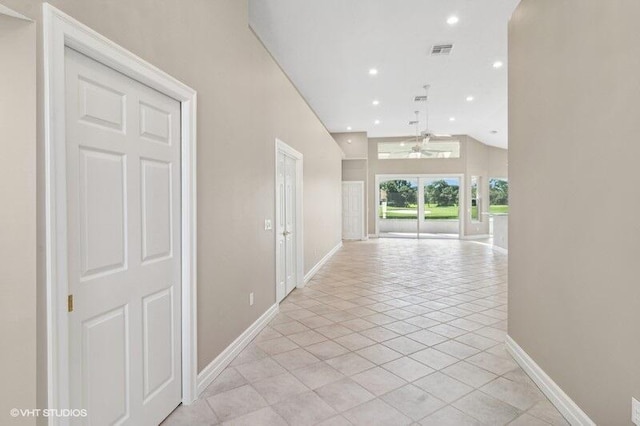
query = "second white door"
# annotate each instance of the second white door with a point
(286, 225)
(353, 210)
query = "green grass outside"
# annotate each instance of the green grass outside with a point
(411, 212)
(431, 211)
(474, 213)
(498, 209)
(434, 212)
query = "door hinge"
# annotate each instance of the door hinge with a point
(70, 303)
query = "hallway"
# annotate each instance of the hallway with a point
(388, 332)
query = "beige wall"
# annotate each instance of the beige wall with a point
(355, 145)
(354, 170)
(244, 102)
(477, 164)
(498, 162)
(574, 287)
(17, 217)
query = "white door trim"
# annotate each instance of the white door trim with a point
(463, 198)
(363, 233)
(280, 146)
(60, 31)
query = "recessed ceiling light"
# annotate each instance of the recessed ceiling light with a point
(401, 143)
(376, 102)
(376, 122)
(452, 20)
(452, 119)
(348, 127)
(348, 140)
(498, 64)
(373, 71)
(470, 98)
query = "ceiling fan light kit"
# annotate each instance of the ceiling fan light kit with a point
(420, 147)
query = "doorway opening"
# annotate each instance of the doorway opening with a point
(419, 206)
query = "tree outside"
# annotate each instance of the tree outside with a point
(440, 199)
(498, 196)
(400, 193)
(441, 194)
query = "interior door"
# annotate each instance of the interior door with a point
(123, 208)
(286, 225)
(352, 210)
(290, 222)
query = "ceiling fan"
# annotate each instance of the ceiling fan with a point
(420, 146)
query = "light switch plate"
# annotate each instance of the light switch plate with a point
(267, 225)
(250, 299)
(635, 411)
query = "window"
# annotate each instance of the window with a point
(409, 149)
(498, 196)
(476, 200)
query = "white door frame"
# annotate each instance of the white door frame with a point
(461, 194)
(60, 31)
(286, 149)
(363, 234)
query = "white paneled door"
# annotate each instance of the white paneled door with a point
(353, 210)
(286, 226)
(123, 207)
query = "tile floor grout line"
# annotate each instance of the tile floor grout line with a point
(424, 313)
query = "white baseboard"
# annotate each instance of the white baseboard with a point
(215, 367)
(500, 250)
(567, 407)
(317, 266)
(493, 246)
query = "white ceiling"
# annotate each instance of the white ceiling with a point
(328, 46)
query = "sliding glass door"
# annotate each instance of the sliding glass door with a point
(423, 206)
(398, 208)
(441, 216)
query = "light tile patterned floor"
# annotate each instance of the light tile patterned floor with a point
(389, 332)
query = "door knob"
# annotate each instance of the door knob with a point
(285, 233)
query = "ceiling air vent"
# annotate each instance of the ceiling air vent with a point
(441, 49)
